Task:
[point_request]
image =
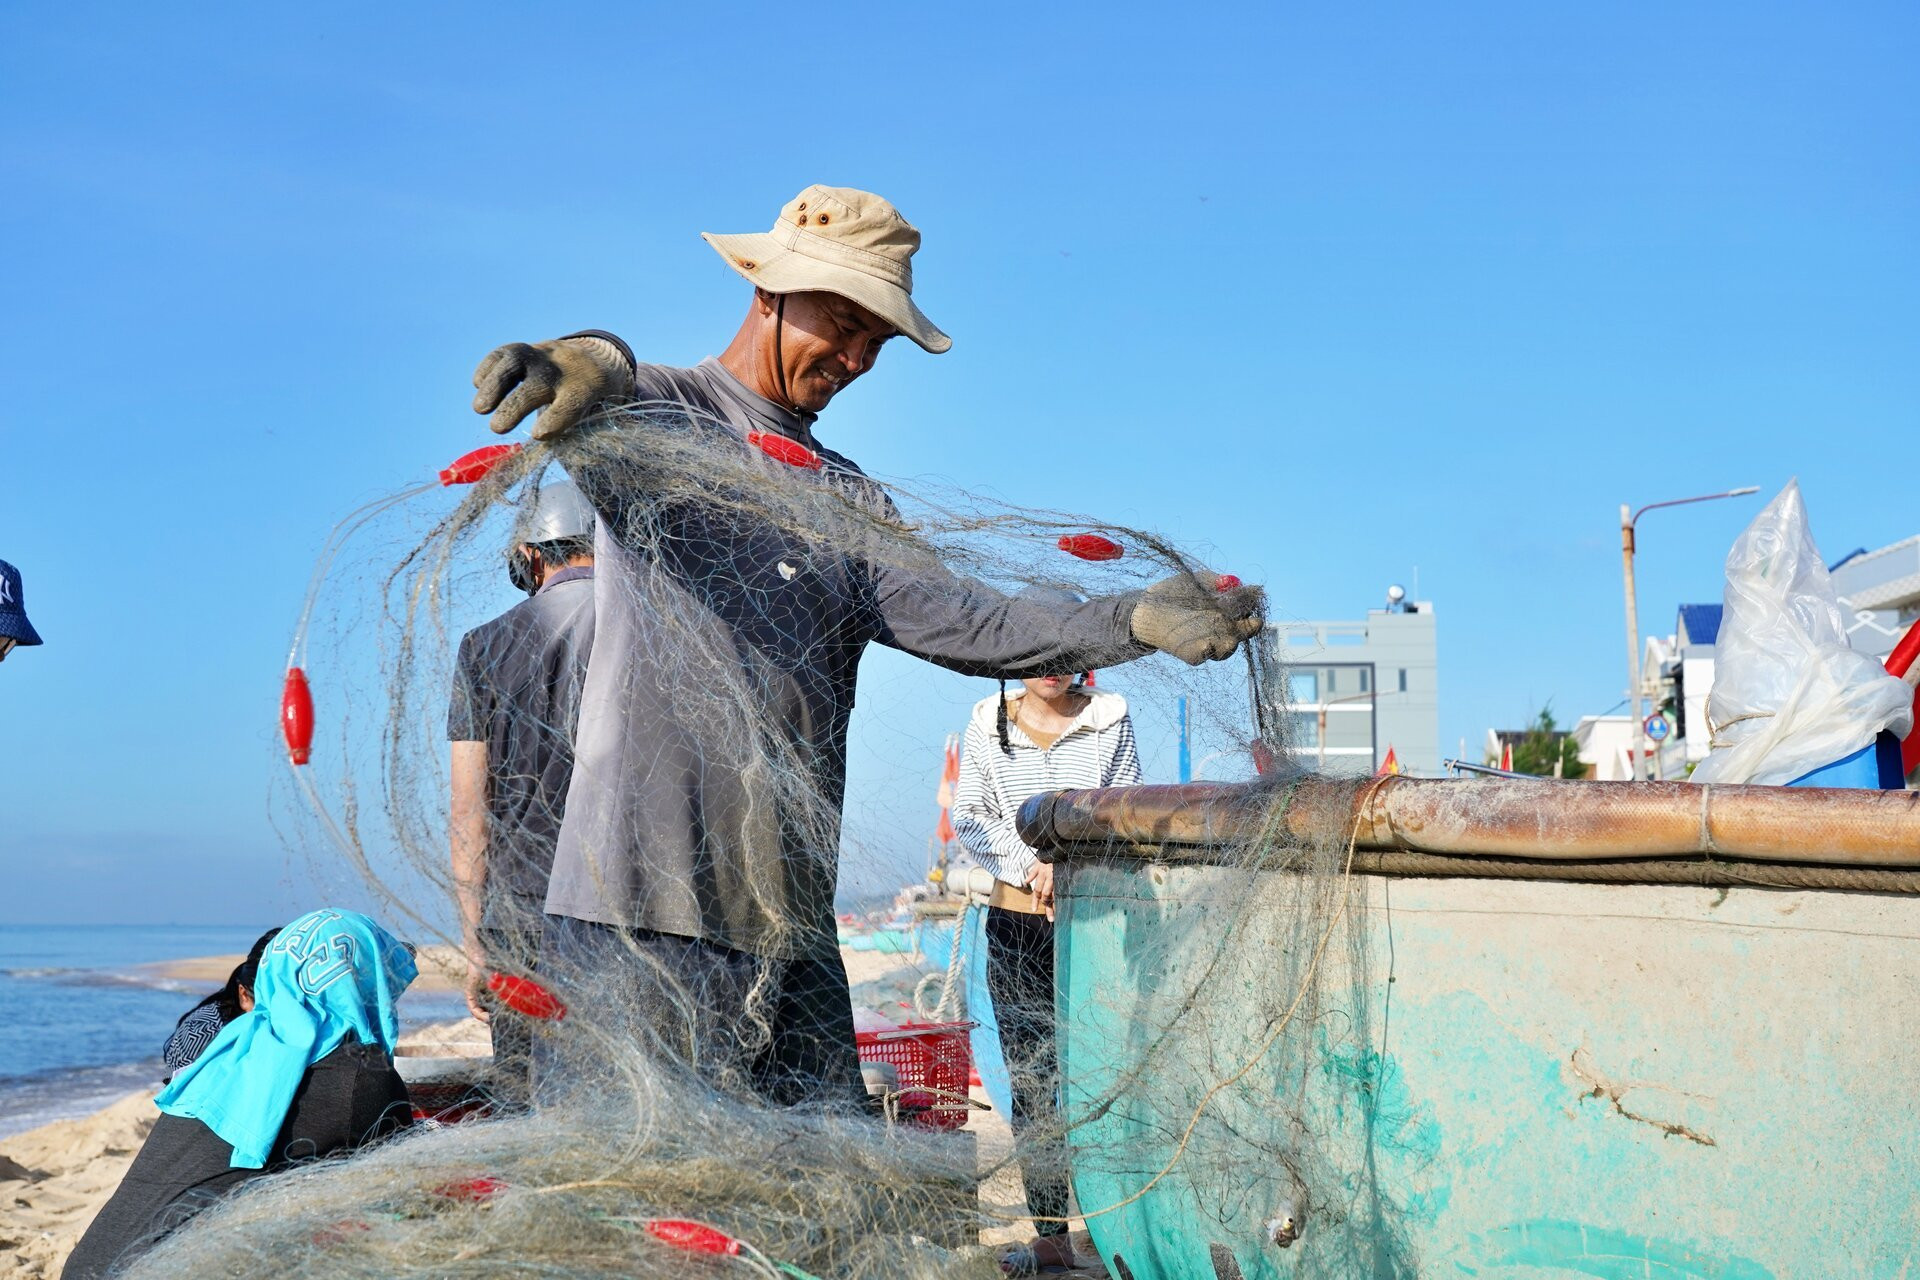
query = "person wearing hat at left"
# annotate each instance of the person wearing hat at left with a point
(15, 630)
(673, 901)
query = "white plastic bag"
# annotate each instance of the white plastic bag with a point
(1789, 693)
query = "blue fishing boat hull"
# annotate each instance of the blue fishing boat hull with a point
(1509, 1080)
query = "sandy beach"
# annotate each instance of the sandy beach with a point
(442, 968)
(54, 1179)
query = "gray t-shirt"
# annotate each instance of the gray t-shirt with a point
(672, 821)
(516, 687)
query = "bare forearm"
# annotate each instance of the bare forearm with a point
(467, 835)
(470, 871)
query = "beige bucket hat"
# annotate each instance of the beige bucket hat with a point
(843, 241)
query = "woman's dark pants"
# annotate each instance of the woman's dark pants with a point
(1020, 980)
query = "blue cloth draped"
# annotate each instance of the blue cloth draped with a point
(330, 974)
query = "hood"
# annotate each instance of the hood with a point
(1103, 711)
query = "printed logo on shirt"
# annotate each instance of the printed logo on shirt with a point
(296, 938)
(322, 961)
(318, 971)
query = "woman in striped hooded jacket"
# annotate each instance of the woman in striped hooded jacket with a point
(1057, 733)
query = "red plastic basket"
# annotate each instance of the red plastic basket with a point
(927, 1056)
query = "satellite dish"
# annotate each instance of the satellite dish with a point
(1396, 593)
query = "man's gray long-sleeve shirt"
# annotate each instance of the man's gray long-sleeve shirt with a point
(674, 821)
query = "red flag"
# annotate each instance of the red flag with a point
(1506, 757)
(1390, 765)
(950, 772)
(949, 779)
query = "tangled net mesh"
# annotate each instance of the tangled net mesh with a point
(1235, 1088)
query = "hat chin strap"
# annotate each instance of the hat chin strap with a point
(780, 364)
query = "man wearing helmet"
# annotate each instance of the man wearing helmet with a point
(656, 889)
(514, 711)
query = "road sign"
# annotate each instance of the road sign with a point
(1657, 727)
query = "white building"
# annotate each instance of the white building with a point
(1677, 676)
(1879, 594)
(1605, 744)
(1358, 689)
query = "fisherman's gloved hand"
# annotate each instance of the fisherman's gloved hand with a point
(1190, 618)
(565, 378)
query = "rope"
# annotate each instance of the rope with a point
(1706, 872)
(1713, 729)
(890, 1103)
(948, 1009)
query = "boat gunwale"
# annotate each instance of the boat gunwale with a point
(1628, 833)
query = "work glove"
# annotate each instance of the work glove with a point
(1190, 618)
(565, 378)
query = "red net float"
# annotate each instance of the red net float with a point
(339, 1233)
(1226, 582)
(527, 997)
(693, 1237)
(296, 716)
(469, 467)
(471, 1190)
(1091, 546)
(781, 449)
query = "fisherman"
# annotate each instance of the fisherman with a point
(15, 630)
(658, 889)
(511, 722)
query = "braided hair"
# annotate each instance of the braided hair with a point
(1000, 721)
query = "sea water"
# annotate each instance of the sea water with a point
(82, 1024)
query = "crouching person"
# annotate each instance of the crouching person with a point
(307, 1073)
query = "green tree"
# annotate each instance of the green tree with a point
(1544, 744)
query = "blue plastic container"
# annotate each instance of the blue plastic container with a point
(1874, 766)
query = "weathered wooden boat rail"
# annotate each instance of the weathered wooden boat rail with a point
(1603, 832)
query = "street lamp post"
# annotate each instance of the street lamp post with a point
(1629, 519)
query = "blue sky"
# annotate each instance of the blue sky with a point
(1338, 294)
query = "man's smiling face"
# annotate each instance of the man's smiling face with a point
(825, 343)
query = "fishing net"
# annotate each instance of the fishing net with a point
(658, 1134)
